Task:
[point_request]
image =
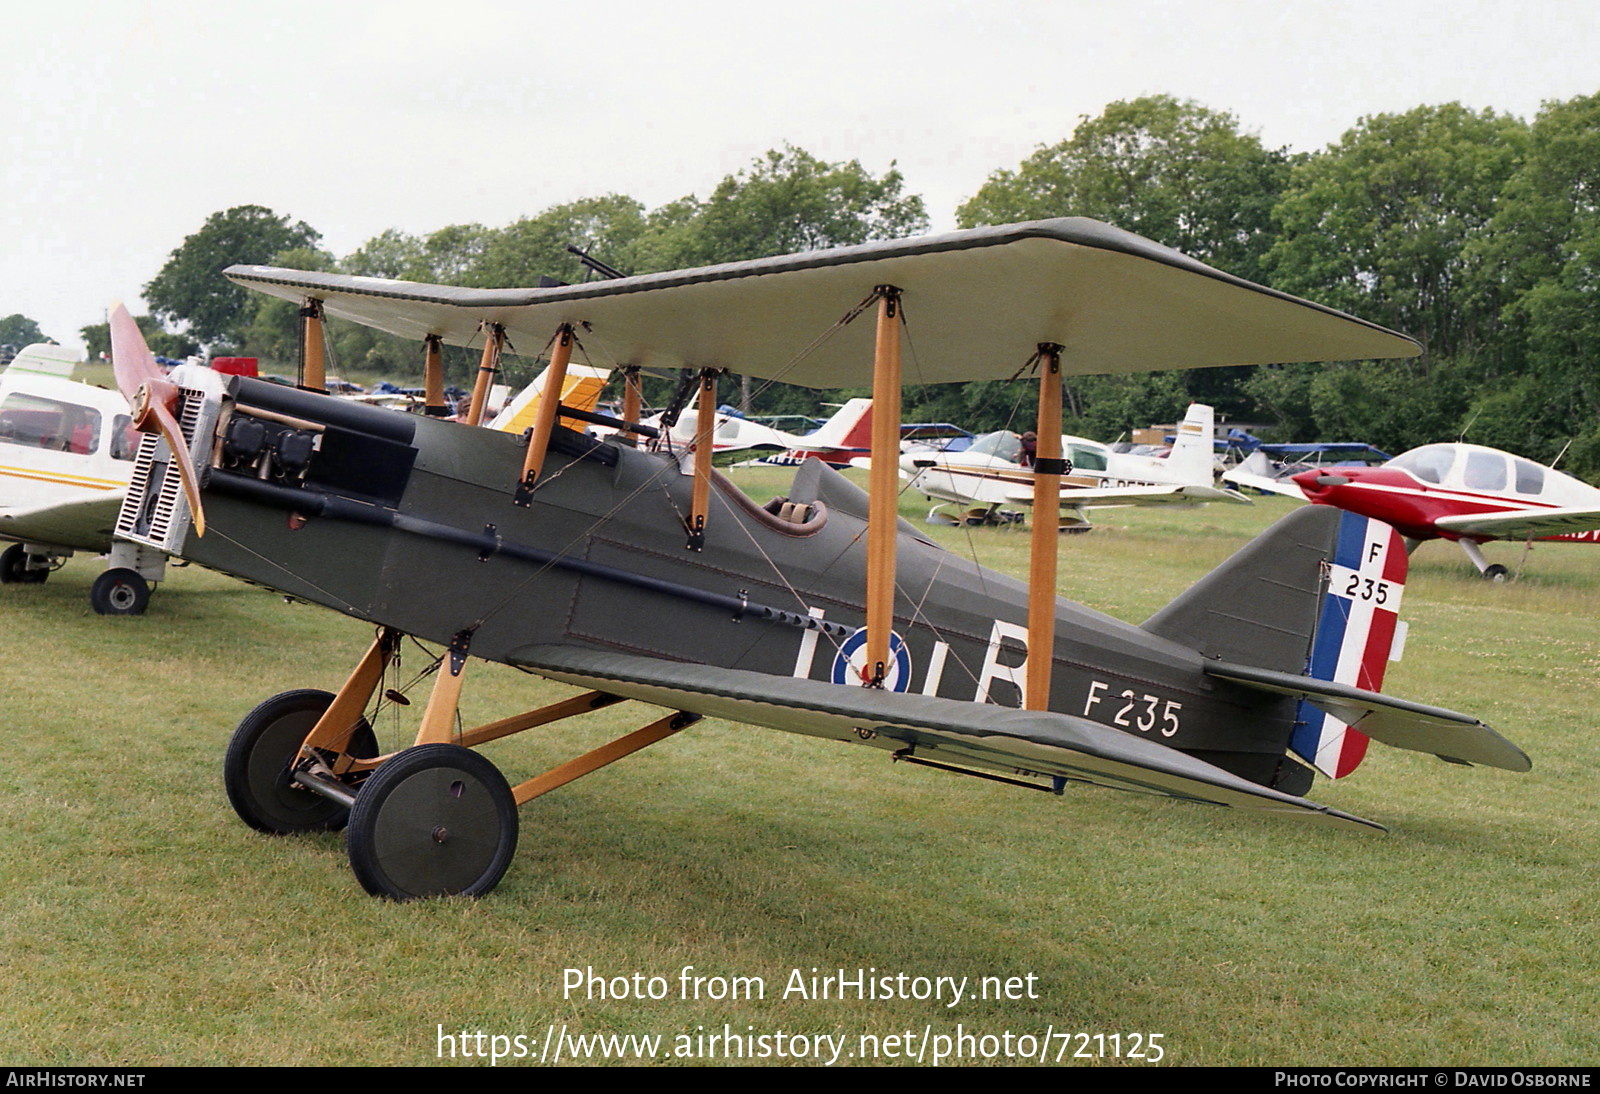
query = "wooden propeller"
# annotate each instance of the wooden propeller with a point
(153, 399)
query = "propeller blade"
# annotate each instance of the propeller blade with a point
(152, 397)
(131, 359)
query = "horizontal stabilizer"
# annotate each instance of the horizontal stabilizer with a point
(1041, 743)
(1396, 722)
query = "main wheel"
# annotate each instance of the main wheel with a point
(1497, 573)
(14, 567)
(120, 592)
(436, 820)
(255, 771)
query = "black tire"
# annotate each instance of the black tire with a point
(436, 820)
(1497, 573)
(14, 567)
(255, 772)
(120, 592)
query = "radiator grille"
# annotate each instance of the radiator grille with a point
(156, 512)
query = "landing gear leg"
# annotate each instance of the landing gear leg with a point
(1496, 573)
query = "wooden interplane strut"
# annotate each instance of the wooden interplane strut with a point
(632, 401)
(494, 340)
(1047, 472)
(705, 433)
(313, 354)
(433, 377)
(544, 420)
(883, 506)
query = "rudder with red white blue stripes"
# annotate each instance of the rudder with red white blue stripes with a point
(1358, 629)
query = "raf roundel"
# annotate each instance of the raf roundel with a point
(850, 663)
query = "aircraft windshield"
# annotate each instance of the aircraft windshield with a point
(1002, 445)
(1086, 459)
(1430, 463)
(33, 422)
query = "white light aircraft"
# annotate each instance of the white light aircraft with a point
(991, 474)
(66, 454)
(845, 436)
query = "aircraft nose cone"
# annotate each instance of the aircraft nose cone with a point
(1319, 483)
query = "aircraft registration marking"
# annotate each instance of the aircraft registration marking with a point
(1355, 585)
(1143, 712)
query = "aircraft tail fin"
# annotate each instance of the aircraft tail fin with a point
(1316, 595)
(1192, 459)
(580, 390)
(850, 427)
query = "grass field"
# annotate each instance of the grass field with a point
(141, 923)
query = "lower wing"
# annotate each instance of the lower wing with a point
(1038, 743)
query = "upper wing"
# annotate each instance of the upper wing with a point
(1522, 524)
(979, 303)
(999, 738)
(1395, 722)
(85, 524)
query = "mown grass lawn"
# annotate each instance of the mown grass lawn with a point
(142, 923)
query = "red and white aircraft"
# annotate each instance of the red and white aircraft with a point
(845, 436)
(1463, 492)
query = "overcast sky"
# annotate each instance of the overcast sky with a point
(128, 122)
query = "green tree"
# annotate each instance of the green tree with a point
(190, 289)
(391, 254)
(787, 201)
(1542, 257)
(1380, 225)
(450, 256)
(162, 342)
(1171, 170)
(535, 247)
(19, 330)
(1387, 224)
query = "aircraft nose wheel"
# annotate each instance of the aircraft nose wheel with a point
(120, 592)
(436, 820)
(256, 774)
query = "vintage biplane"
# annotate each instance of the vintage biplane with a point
(644, 575)
(65, 457)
